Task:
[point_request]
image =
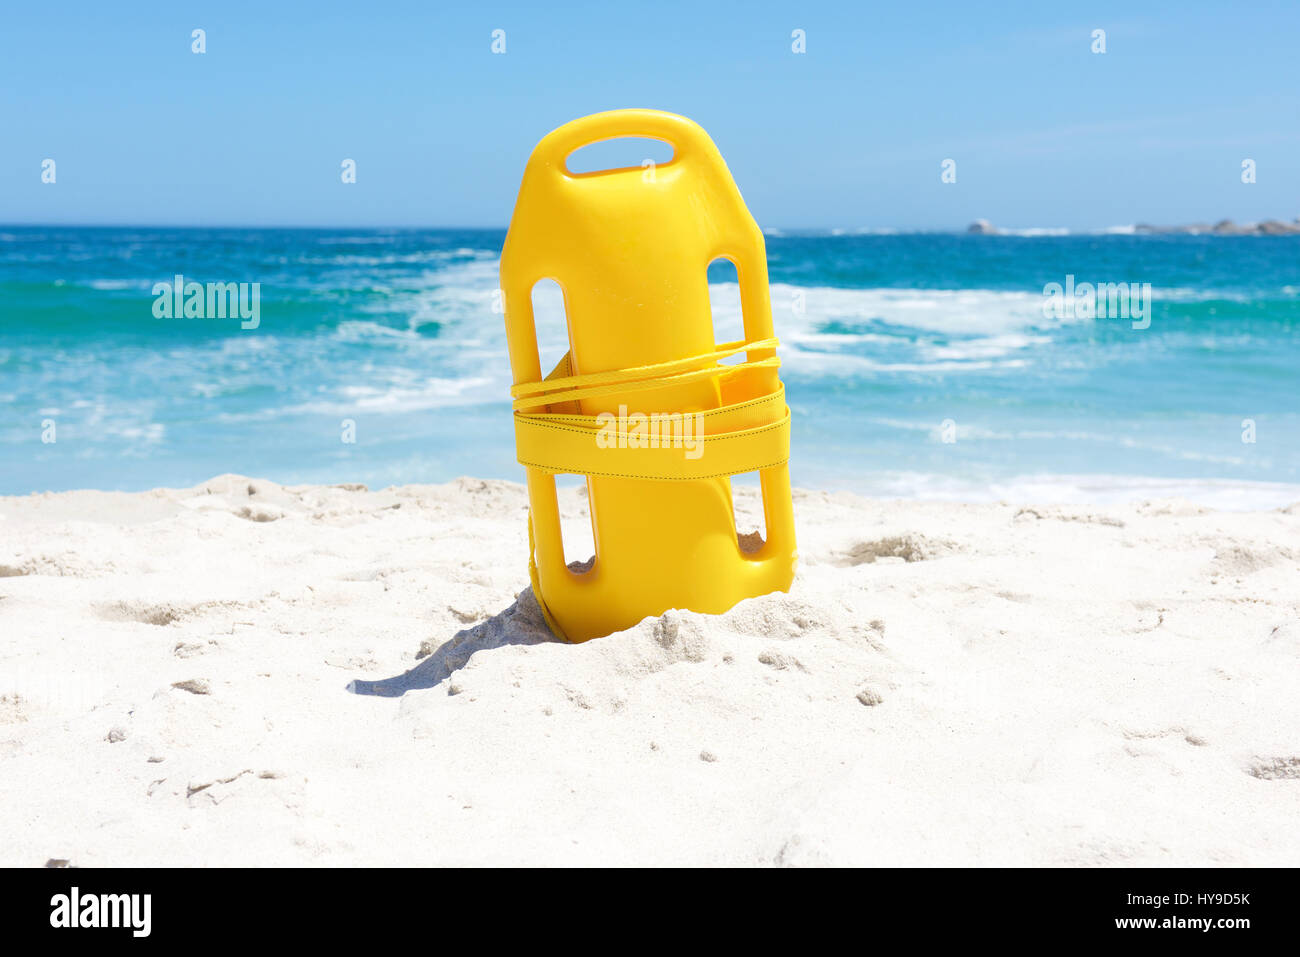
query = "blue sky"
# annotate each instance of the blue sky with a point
(850, 134)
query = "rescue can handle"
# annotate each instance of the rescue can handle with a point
(686, 137)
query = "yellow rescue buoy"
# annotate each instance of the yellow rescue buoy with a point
(643, 404)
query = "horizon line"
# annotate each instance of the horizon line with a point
(1140, 227)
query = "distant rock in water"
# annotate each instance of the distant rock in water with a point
(1226, 227)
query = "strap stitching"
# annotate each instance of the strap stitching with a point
(578, 419)
(639, 385)
(659, 478)
(721, 437)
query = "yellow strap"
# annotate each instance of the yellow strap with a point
(743, 437)
(569, 388)
(640, 372)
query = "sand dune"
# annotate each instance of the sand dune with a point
(244, 673)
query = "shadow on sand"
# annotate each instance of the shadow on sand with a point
(520, 624)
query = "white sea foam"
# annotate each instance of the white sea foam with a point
(1032, 231)
(984, 347)
(464, 293)
(829, 364)
(863, 231)
(361, 330)
(1064, 489)
(393, 259)
(367, 240)
(952, 311)
(972, 431)
(429, 394)
(385, 398)
(115, 285)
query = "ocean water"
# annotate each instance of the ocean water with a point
(917, 365)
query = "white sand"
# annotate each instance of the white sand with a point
(1055, 685)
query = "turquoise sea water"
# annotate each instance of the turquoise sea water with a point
(885, 339)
